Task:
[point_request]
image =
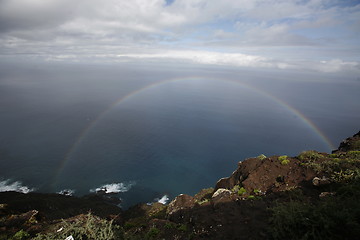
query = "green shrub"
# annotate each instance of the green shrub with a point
(20, 235)
(257, 191)
(251, 197)
(315, 166)
(241, 191)
(310, 155)
(284, 160)
(261, 157)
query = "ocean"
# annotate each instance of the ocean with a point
(150, 131)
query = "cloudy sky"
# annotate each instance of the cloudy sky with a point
(316, 35)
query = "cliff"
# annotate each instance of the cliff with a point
(310, 196)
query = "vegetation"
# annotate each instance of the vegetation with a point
(284, 160)
(353, 154)
(158, 212)
(238, 190)
(340, 167)
(251, 197)
(310, 155)
(170, 225)
(152, 233)
(241, 191)
(335, 217)
(347, 175)
(136, 222)
(89, 227)
(257, 191)
(203, 201)
(20, 235)
(261, 157)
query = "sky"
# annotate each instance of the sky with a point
(311, 35)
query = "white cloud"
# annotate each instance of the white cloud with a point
(275, 35)
(202, 29)
(270, 10)
(34, 14)
(336, 65)
(205, 57)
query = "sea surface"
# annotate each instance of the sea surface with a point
(149, 131)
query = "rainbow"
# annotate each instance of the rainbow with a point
(84, 133)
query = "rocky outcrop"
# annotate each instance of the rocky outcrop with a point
(349, 144)
(267, 175)
(179, 206)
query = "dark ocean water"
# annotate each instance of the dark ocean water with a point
(160, 131)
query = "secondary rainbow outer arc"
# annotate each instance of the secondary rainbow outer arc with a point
(89, 127)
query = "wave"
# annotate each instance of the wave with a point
(66, 192)
(114, 188)
(8, 185)
(164, 200)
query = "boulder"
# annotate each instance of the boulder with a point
(320, 181)
(221, 192)
(221, 195)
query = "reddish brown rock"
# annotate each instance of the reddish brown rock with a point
(267, 175)
(181, 202)
(178, 208)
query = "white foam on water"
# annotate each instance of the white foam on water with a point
(164, 200)
(114, 187)
(66, 192)
(8, 185)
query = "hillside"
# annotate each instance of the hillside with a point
(310, 196)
